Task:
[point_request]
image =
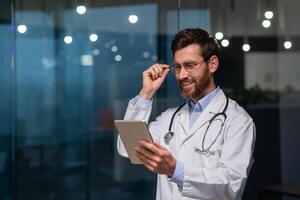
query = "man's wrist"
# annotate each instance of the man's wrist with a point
(178, 175)
(173, 167)
(145, 95)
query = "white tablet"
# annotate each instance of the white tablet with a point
(131, 132)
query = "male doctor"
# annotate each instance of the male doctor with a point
(207, 151)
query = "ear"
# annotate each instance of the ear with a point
(213, 64)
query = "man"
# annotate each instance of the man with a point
(207, 153)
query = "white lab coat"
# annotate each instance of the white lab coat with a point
(215, 177)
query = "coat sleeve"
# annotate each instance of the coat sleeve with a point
(228, 180)
(135, 112)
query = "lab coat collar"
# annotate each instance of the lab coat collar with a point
(215, 106)
(203, 102)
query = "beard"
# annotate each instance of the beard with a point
(200, 86)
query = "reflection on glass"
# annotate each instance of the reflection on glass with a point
(70, 89)
(77, 65)
(68, 39)
(133, 19)
(7, 107)
(81, 10)
(93, 37)
(22, 28)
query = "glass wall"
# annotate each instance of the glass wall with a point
(69, 68)
(7, 98)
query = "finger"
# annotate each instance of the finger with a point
(148, 154)
(149, 146)
(153, 73)
(144, 152)
(157, 75)
(165, 73)
(164, 66)
(145, 160)
(158, 69)
(148, 73)
(159, 146)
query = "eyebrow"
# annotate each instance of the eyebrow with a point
(188, 61)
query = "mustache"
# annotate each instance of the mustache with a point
(185, 81)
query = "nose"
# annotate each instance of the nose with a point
(182, 74)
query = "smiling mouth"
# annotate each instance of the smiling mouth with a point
(186, 84)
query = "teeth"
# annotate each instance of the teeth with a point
(185, 84)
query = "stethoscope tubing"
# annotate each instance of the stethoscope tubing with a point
(172, 119)
(169, 135)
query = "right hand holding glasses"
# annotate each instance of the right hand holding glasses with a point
(153, 78)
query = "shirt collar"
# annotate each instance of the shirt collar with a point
(202, 103)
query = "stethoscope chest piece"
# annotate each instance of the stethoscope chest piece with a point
(168, 137)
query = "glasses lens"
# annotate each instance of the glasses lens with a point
(189, 67)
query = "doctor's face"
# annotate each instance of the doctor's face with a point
(194, 76)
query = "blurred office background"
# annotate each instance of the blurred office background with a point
(69, 67)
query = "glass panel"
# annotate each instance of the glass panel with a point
(77, 68)
(6, 100)
(42, 152)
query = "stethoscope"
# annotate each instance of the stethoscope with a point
(170, 134)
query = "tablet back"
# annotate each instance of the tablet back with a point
(131, 132)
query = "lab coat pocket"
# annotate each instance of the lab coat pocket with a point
(209, 158)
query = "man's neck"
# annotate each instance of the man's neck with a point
(205, 92)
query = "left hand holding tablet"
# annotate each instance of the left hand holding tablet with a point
(155, 157)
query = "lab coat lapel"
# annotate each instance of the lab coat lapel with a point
(215, 106)
(183, 115)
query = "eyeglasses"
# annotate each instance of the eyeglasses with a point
(189, 67)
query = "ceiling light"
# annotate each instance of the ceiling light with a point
(269, 14)
(133, 19)
(287, 44)
(266, 23)
(146, 54)
(225, 43)
(96, 52)
(68, 39)
(118, 58)
(22, 28)
(93, 37)
(219, 35)
(246, 47)
(87, 60)
(81, 10)
(114, 48)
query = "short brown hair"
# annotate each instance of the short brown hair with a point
(186, 37)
